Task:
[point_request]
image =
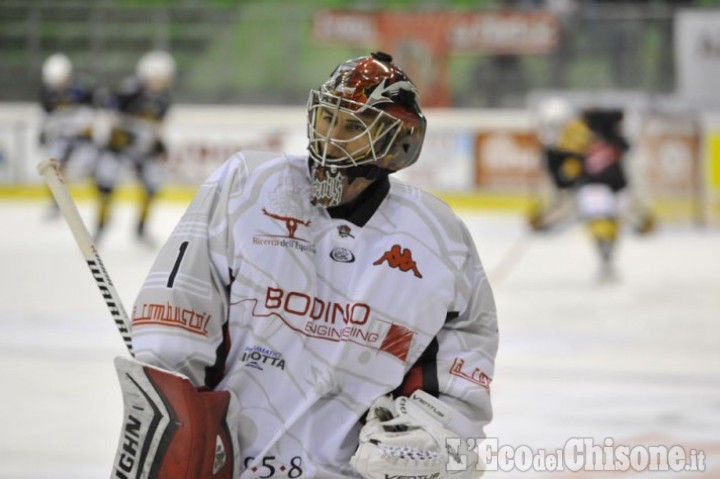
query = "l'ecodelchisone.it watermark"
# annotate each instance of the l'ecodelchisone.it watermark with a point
(577, 454)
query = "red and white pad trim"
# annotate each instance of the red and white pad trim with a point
(172, 430)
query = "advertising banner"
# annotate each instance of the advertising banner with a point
(697, 55)
(507, 160)
(711, 193)
(422, 41)
(669, 164)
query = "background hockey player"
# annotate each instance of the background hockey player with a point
(584, 153)
(67, 103)
(341, 320)
(134, 137)
(563, 138)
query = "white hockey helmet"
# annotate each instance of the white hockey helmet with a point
(57, 70)
(552, 115)
(555, 111)
(156, 69)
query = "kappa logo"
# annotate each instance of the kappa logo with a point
(291, 223)
(401, 259)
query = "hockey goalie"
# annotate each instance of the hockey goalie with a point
(312, 317)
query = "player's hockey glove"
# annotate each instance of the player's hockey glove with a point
(406, 437)
(171, 430)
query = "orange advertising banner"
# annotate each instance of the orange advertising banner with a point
(671, 146)
(351, 28)
(420, 42)
(507, 159)
(505, 32)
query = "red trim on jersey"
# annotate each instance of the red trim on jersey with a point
(423, 375)
(397, 341)
(413, 381)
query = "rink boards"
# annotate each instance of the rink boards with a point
(479, 159)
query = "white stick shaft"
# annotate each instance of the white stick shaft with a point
(50, 171)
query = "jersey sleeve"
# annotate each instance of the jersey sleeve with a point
(180, 316)
(458, 365)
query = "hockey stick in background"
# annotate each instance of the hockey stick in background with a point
(50, 171)
(510, 258)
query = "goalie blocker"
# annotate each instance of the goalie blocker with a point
(170, 429)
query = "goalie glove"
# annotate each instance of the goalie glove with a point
(407, 438)
(170, 429)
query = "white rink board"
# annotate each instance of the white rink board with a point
(637, 360)
(201, 137)
(453, 160)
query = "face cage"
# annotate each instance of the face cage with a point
(381, 132)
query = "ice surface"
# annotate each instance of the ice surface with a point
(636, 360)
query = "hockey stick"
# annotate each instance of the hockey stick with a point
(510, 258)
(51, 173)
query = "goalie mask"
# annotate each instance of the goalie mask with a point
(364, 123)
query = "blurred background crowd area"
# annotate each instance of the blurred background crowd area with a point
(272, 52)
(242, 70)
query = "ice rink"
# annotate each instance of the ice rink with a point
(636, 361)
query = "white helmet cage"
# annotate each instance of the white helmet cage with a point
(380, 131)
(57, 70)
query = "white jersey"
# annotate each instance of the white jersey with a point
(308, 319)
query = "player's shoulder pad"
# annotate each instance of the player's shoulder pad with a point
(419, 196)
(433, 206)
(255, 158)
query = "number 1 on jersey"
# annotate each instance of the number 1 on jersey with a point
(176, 267)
